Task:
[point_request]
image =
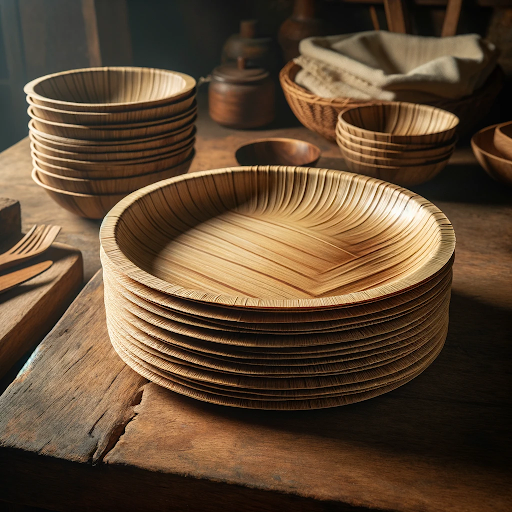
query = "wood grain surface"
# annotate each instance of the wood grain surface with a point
(30, 310)
(440, 443)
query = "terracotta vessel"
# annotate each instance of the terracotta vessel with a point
(301, 24)
(258, 51)
(240, 97)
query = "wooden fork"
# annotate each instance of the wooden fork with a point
(36, 241)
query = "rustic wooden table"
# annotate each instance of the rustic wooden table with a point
(81, 431)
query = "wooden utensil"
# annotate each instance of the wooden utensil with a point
(503, 139)
(400, 122)
(110, 89)
(17, 277)
(278, 151)
(497, 167)
(35, 242)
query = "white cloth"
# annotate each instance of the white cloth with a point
(395, 67)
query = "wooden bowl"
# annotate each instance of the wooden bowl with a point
(503, 139)
(357, 156)
(108, 118)
(116, 171)
(101, 165)
(85, 205)
(112, 147)
(497, 167)
(400, 175)
(381, 146)
(278, 151)
(114, 132)
(58, 151)
(110, 89)
(427, 154)
(400, 122)
(110, 186)
(280, 237)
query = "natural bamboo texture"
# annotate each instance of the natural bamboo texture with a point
(118, 171)
(109, 153)
(406, 176)
(321, 114)
(278, 151)
(107, 118)
(432, 153)
(493, 162)
(111, 147)
(114, 185)
(110, 89)
(503, 139)
(85, 205)
(310, 228)
(358, 156)
(393, 124)
(385, 146)
(399, 123)
(144, 129)
(274, 287)
(142, 165)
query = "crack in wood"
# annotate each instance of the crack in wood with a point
(117, 431)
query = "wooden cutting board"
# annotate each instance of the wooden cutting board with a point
(30, 310)
(82, 431)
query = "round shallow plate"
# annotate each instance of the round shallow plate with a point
(240, 319)
(109, 89)
(277, 237)
(311, 334)
(294, 400)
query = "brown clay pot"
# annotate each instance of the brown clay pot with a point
(301, 24)
(241, 98)
(258, 51)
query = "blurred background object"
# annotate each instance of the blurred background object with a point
(44, 36)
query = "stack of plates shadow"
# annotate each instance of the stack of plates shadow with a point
(277, 287)
(98, 134)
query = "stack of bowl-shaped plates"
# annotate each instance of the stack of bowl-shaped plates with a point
(98, 134)
(403, 143)
(492, 147)
(274, 287)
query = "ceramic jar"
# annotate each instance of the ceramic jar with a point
(241, 97)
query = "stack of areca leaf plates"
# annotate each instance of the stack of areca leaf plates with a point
(277, 287)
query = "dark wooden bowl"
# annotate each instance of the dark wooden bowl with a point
(278, 152)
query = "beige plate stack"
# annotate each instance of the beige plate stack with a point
(273, 287)
(403, 143)
(98, 134)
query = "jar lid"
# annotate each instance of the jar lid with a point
(238, 73)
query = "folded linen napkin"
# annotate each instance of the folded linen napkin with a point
(395, 67)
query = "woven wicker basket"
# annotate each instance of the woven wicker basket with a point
(321, 114)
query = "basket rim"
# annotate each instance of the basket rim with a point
(291, 87)
(441, 256)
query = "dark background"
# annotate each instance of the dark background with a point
(44, 36)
